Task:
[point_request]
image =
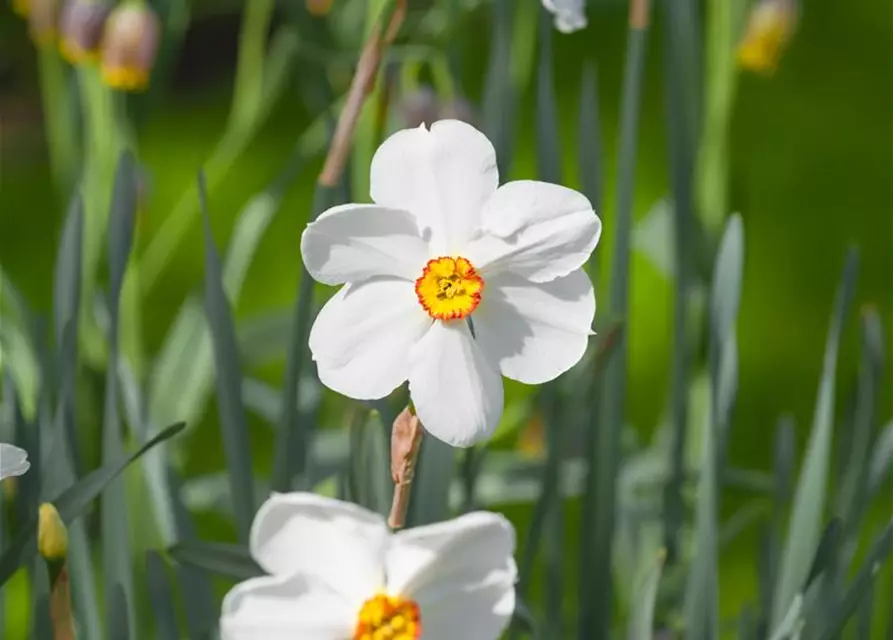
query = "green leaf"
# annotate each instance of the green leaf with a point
(641, 622)
(72, 502)
(160, 597)
(116, 552)
(229, 560)
(498, 101)
(601, 501)
(18, 355)
(860, 588)
(881, 459)
(294, 429)
(436, 467)
(369, 474)
(234, 429)
(41, 622)
(119, 620)
(548, 151)
(67, 278)
(589, 149)
(809, 499)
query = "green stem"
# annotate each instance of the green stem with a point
(57, 109)
(249, 89)
(712, 177)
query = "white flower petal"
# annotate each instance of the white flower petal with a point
(461, 573)
(353, 242)
(444, 176)
(338, 543)
(534, 331)
(285, 608)
(13, 461)
(457, 393)
(570, 15)
(362, 337)
(539, 230)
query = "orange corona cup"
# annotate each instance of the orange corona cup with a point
(129, 47)
(81, 29)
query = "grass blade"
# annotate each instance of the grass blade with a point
(116, 553)
(702, 593)
(369, 475)
(119, 620)
(430, 495)
(72, 502)
(809, 498)
(161, 598)
(591, 172)
(234, 429)
(498, 102)
(596, 618)
(290, 458)
(641, 622)
(232, 561)
(881, 459)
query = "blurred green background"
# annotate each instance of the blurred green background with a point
(811, 174)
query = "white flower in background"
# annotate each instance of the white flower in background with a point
(338, 573)
(13, 461)
(450, 281)
(570, 15)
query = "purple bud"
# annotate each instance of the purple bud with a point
(81, 29)
(129, 47)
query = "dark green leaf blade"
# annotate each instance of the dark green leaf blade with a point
(160, 597)
(230, 560)
(119, 619)
(72, 502)
(234, 429)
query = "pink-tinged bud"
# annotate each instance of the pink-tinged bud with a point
(318, 8)
(42, 18)
(459, 109)
(419, 107)
(81, 28)
(129, 47)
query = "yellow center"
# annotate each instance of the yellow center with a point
(386, 617)
(449, 288)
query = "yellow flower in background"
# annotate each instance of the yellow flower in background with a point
(769, 30)
(451, 281)
(129, 47)
(81, 28)
(21, 7)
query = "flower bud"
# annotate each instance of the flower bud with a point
(52, 535)
(419, 107)
(459, 109)
(129, 46)
(768, 32)
(81, 29)
(21, 7)
(42, 18)
(318, 8)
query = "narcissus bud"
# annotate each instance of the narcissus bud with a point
(21, 7)
(80, 29)
(129, 47)
(52, 535)
(419, 107)
(42, 18)
(769, 30)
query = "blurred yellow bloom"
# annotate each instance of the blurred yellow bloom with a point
(42, 18)
(21, 7)
(52, 535)
(129, 47)
(768, 32)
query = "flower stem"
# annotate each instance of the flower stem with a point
(60, 602)
(406, 441)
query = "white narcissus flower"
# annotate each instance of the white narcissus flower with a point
(450, 281)
(570, 15)
(13, 461)
(338, 573)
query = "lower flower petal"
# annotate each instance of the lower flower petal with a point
(456, 391)
(336, 543)
(285, 608)
(534, 331)
(362, 337)
(460, 572)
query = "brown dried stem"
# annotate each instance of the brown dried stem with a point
(406, 439)
(361, 86)
(60, 604)
(639, 14)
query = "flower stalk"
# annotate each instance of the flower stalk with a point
(52, 543)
